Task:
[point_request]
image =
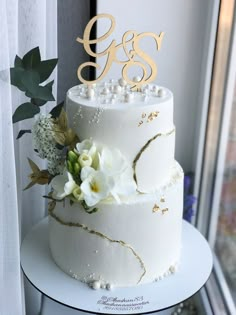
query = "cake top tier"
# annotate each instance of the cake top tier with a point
(117, 94)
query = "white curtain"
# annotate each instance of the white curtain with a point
(24, 24)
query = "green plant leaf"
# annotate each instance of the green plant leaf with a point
(42, 92)
(30, 80)
(40, 102)
(45, 68)
(56, 111)
(25, 111)
(16, 76)
(18, 62)
(32, 58)
(22, 132)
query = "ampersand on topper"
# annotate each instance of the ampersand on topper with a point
(130, 37)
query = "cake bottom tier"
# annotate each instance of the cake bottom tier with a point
(134, 242)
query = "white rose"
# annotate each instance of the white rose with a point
(63, 185)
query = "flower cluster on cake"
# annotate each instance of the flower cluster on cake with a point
(116, 197)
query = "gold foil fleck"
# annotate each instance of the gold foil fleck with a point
(164, 210)
(162, 199)
(155, 208)
(87, 229)
(140, 123)
(152, 116)
(144, 115)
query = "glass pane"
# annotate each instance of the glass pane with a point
(225, 245)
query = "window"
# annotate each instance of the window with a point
(217, 194)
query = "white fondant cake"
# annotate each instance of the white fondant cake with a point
(131, 239)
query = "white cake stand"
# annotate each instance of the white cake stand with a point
(43, 273)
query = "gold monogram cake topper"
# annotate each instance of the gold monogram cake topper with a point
(129, 39)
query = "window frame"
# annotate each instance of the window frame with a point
(211, 159)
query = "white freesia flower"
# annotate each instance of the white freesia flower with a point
(86, 146)
(85, 159)
(95, 186)
(63, 185)
(114, 165)
(124, 184)
(112, 162)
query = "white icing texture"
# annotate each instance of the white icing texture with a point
(120, 118)
(136, 241)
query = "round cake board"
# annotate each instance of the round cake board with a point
(194, 270)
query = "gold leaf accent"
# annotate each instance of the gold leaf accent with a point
(99, 234)
(162, 199)
(33, 166)
(59, 137)
(145, 147)
(164, 210)
(62, 134)
(140, 123)
(62, 120)
(152, 116)
(144, 115)
(41, 177)
(155, 208)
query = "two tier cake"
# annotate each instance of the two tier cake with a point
(129, 183)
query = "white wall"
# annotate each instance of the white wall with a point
(180, 60)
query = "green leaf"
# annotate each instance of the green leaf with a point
(18, 62)
(25, 111)
(32, 58)
(40, 102)
(30, 80)
(42, 92)
(16, 76)
(22, 132)
(87, 208)
(45, 68)
(55, 112)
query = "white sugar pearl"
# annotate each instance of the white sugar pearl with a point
(155, 88)
(109, 286)
(137, 79)
(129, 97)
(103, 286)
(161, 92)
(122, 82)
(96, 285)
(117, 89)
(105, 91)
